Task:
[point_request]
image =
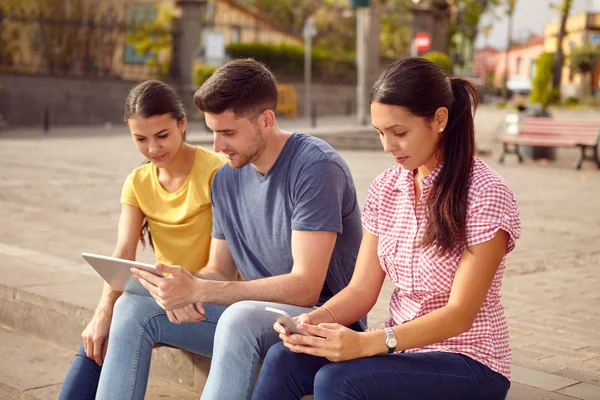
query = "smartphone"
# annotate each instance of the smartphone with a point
(285, 320)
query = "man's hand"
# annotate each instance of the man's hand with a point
(192, 313)
(174, 291)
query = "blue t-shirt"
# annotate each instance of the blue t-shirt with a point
(308, 188)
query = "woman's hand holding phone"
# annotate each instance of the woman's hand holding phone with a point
(330, 340)
(300, 319)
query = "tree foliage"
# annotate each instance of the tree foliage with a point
(336, 23)
(64, 36)
(465, 20)
(584, 60)
(154, 38)
(542, 92)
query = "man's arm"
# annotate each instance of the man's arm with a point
(220, 266)
(311, 252)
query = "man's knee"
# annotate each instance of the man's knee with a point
(243, 316)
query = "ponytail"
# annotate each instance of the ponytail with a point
(447, 201)
(421, 87)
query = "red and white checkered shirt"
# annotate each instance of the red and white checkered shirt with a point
(423, 279)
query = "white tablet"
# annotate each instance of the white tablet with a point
(116, 272)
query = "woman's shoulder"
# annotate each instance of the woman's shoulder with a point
(206, 157)
(485, 179)
(389, 177)
(141, 173)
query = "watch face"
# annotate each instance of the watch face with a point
(392, 342)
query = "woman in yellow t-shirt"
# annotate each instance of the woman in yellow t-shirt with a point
(167, 199)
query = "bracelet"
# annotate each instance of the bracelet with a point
(330, 313)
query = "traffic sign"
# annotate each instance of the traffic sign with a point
(422, 42)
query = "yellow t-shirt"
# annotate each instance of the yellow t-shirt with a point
(180, 222)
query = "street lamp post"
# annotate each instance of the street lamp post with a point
(361, 67)
(509, 13)
(308, 32)
(361, 7)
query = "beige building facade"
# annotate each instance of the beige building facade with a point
(580, 29)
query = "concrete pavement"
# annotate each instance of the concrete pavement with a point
(59, 196)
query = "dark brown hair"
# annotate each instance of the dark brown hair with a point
(421, 87)
(244, 86)
(146, 100)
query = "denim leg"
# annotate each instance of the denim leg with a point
(286, 375)
(81, 380)
(243, 336)
(138, 324)
(423, 376)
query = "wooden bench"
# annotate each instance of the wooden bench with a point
(548, 132)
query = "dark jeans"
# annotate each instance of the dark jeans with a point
(407, 376)
(82, 378)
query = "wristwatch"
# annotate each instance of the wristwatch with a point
(390, 340)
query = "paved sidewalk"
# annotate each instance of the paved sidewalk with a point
(59, 196)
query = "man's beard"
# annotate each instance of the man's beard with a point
(258, 145)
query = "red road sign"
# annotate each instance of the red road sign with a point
(422, 42)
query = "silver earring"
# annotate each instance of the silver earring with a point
(441, 130)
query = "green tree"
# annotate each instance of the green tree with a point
(559, 56)
(154, 38)
(67, 36)
(287, 13)
(464, 22)
(395, 31)
(584, 60)
(542, 92)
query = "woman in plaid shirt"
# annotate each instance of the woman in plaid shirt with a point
(439, 225)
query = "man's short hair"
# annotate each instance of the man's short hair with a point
(243, 86)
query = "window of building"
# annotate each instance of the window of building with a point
(518, 68)
(138, 14)
(236, 34)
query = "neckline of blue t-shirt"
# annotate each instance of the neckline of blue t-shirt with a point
(284, 150)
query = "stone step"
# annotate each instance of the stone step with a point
(33, 369)
(55, 313)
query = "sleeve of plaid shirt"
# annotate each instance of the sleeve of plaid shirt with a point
(370, 214)
(494, 208)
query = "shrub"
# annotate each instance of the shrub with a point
(571, 101)
(287, 60)
(441, 60)
(202, 73)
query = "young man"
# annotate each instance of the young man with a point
(285, 215)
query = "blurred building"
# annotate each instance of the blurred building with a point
(94, 39)
(580, 29)
(234, 21)
(490, 64)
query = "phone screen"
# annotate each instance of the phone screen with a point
(289, 324)
(285, 320)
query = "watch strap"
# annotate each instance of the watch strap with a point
(390, 337)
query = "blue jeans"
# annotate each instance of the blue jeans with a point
(236, 344)
(406, 376)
